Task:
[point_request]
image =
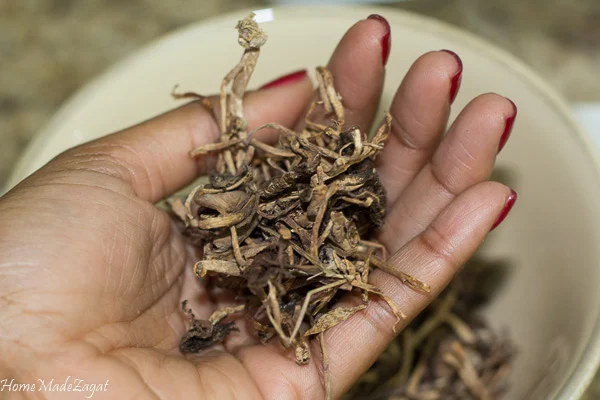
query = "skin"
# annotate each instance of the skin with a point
(92, 275)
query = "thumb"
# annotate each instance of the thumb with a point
(153, 159)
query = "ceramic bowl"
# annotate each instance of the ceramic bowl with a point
(550, 303)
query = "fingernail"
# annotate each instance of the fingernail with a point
(386, 39)
(510, 121)
(286, 79)
(457, 78)
(508, 205)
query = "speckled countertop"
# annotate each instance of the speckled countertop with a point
(49, 48)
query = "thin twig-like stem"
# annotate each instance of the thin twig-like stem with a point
(326, 372)
(306, 302)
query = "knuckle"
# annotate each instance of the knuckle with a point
(438, 244)
(403, 129)
(95, 157)
(446, 179)
(380, 316)
(116, 160)
(401, 132)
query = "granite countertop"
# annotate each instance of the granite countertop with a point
(49, 48)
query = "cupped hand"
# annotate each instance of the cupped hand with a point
(92, 274)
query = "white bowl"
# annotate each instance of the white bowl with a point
(551, 304)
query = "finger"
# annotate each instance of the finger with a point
(357, 66)
(153, 157)
(420, 111)
(464, 158)
(433, 257)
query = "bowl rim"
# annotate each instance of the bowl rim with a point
(582, 374)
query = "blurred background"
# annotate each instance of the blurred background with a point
(50, 48)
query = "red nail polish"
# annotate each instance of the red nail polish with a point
(510, 121)
(457, 78)
(386, 39)
(510, 202)
(286, 79)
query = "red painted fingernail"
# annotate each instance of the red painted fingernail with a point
(510, 121)
(508, 205)
(457, 78)
(286, 79)
(386, 39)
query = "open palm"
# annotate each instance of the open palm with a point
(92, 274)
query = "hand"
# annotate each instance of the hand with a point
(92, 274)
